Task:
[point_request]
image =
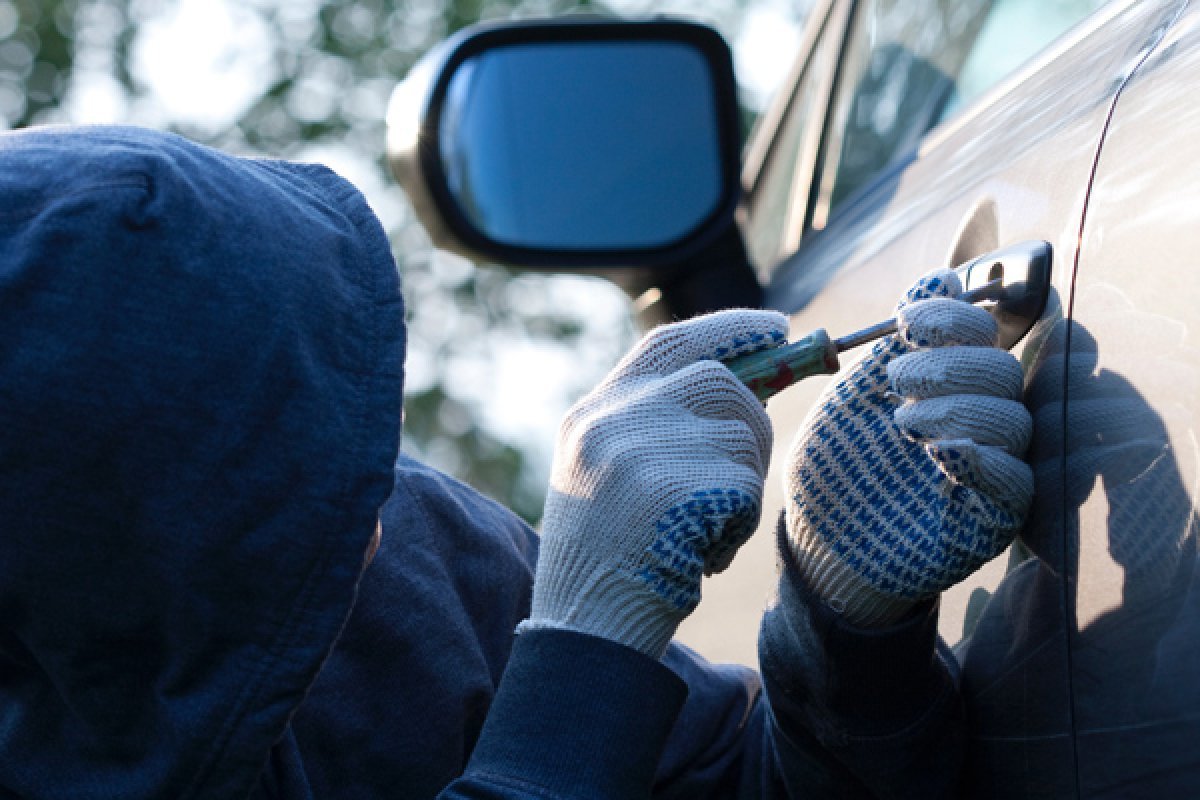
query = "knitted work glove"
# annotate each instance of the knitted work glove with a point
(906, 476)
(657, 479)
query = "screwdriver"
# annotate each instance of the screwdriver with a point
(770, 371)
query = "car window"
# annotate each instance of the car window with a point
(1013, 32)
(909, 64)
(772, 229)
(772, 198)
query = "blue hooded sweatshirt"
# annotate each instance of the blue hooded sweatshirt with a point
(200, 390)
(200, 383)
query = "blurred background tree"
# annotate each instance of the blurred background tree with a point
(494, 357)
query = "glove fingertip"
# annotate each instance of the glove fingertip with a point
(944, 321)
(748, 331)
(938, 283)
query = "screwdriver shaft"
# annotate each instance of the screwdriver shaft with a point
(881, 329)
(769, 371)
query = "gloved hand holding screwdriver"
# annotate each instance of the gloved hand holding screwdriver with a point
(657, 480)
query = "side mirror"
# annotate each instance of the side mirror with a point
(576, 143)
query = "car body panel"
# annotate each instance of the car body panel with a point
(1015, 165)
(1131, 442)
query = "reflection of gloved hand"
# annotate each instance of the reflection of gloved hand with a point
(1114, 433)
(657, 479)
(894, 497)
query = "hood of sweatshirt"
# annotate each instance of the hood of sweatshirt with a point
(200, 382)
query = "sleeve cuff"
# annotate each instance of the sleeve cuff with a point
(577, 715)
(843, 680)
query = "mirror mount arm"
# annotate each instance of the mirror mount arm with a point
(719, 276)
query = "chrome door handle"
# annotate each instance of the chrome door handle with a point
(1023, 272)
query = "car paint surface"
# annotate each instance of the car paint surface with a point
(1129, 436)
(1015, 165)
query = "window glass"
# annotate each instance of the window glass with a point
(765, 231)
(769, 232)
(908, 64)
(1013, 32)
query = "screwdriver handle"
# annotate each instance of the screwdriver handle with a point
(769, 371)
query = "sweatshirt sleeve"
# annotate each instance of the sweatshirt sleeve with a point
(855, 712)
(840, 712)
(575, 717)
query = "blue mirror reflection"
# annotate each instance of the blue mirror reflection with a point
(584, 145)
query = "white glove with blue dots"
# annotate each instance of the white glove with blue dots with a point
(657, 480)
(907, 476)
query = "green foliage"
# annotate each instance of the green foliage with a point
(36, 57)
(445, 427)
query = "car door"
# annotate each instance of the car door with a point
(944, 131)
(1132, 457)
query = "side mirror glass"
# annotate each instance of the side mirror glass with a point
(578, 143)
(605, 145)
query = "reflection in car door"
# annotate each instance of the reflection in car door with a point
(1132, 458)
(1013, 165)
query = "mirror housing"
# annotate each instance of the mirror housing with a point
(581, 144)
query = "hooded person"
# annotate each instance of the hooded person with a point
(200, 400)
(202, 375)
